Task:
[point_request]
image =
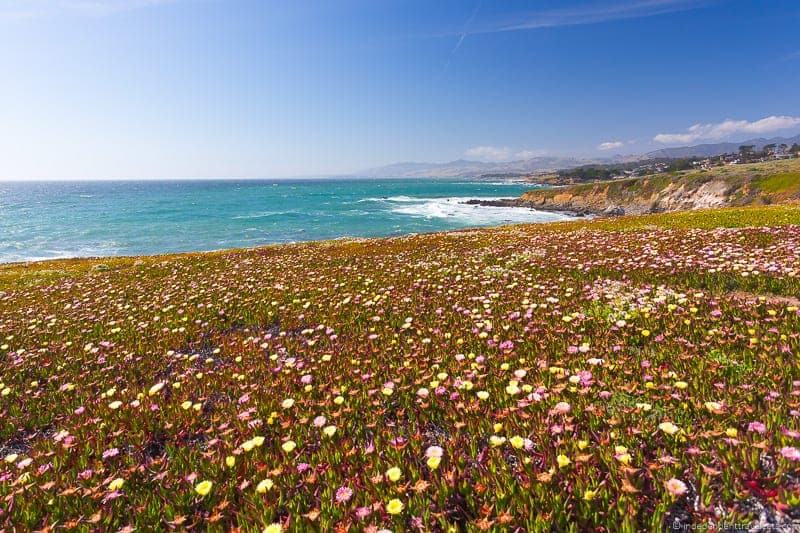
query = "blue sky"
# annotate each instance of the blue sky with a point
(240, 88)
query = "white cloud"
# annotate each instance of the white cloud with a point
(529, 154)
(488, 153)
(610, 145)
(500, 153)
(714, 132)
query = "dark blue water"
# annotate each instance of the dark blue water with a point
(40, 220)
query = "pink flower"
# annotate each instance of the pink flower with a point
(676, 487)
(561, 408)
(343, 494)
(434, 451)
(320, 421)
(756, 427)
(305, 380)
(111, 452)
(791, 453)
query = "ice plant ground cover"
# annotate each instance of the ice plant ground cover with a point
(625, 374)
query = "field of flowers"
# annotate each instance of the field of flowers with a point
(621, 375)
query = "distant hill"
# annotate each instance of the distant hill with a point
(710, 150)
(470, 169)
(462, 168)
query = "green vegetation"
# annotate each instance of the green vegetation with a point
(621, 374)
(784, 183)
(735, 185)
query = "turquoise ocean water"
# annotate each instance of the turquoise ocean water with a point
(42, 220)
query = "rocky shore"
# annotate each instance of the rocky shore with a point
(520, 202)
(757, 184)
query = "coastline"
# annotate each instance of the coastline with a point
(521, 203)
(88, 219)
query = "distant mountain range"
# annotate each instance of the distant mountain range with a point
(710, 150)
(462, 168)
(469, 169)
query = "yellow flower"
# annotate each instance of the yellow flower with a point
(155, 388)
(287, 403)
(394, 506)
(116, 484)
(620, 450)
(483, 395)
(583, 444)
(203, 488)
(668, 427)
(563, 461)
(264, 485)
(517, 441)
(329, 431)
(496, 441)
(645, 333)
(713, 407)
(394, 473)
(386, 391)
(624, 458)
(433, 462)
(273, 528)
(288, 446)
(681, 385)
(186, 405)
(339, 400)
(252, 443)
(589, 495)
(10, 458)
(731, 432)
(115, 405)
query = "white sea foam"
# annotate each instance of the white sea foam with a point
(262, 214)
(455, 208)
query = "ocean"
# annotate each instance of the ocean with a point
(46, 220)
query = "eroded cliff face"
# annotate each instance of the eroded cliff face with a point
(660, 194)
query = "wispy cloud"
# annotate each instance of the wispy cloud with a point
(462, 35)
(714, 132)
(21, 9)
(610, 145)
(591, 13)
(499, 153)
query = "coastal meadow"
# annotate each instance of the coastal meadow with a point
(615, 375)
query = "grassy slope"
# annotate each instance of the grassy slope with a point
(754, 184)
(129, 323)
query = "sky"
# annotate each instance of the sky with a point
(261, 88)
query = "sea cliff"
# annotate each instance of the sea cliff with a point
(740, 185)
